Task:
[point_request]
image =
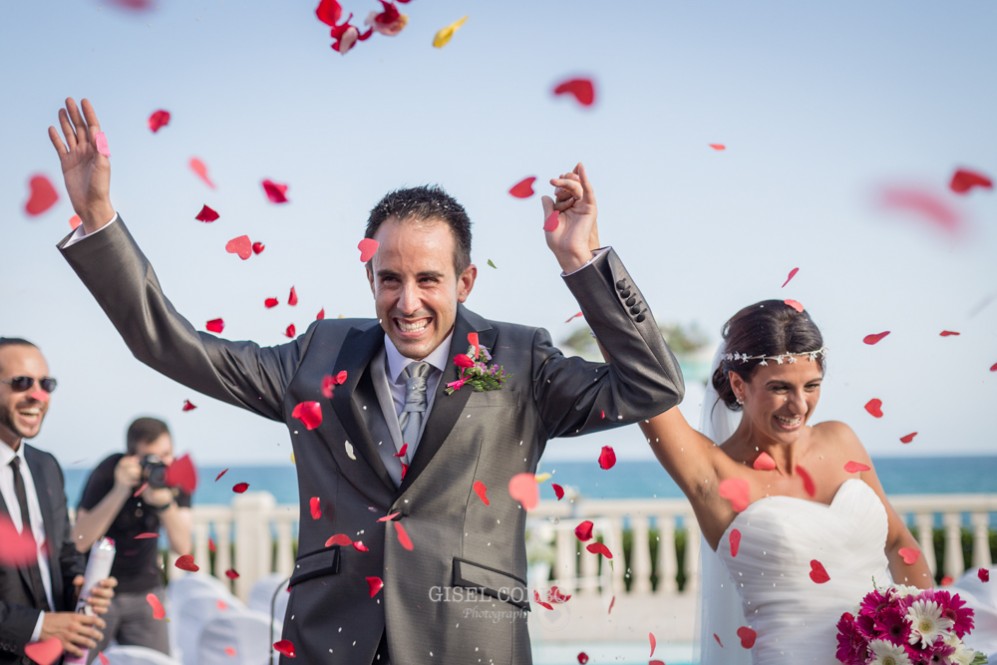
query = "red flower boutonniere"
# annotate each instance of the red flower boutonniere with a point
(473, 370)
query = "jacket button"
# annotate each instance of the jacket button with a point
(631, 301)
(635, 310)
(640, 318)
(625, 293)
(620, 285)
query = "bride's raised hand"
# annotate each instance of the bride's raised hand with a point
(86, 171)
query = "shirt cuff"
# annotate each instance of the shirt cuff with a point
(596, 253)
(79, 233)
(36, 634)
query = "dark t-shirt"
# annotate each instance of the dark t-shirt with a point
(136, 563)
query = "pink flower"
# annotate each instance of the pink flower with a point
(463, 361)
(954, 608)
(457, 385)
(851, 645)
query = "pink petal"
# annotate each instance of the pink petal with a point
(206, 215)
(734, 539)
(186, 562)
(284, 648)
(374, 585)
(523, 488)
(270, 303)
(792, 274)
(584, 530)
(558, 491)
(909, 554)
(292, 298)
(875, 338)
(875, 407)
(856, 467)
(240, 246)
(964, 180)
(201, 170)
(315, 506)
(748, 637)
(582, 89)
(215, 326)
(309, 413)
(158, 120)
(482, 492)
(599, 548)
(907, 438)
(736, 491)
(41, 195)
(276, 192)
(240, 488)
(817, 572)
(368, 248)
(157, 607)
(524, 188)
(188, 405)
(763, 462)
(607, 458)
(403, 537)
(808, 482)
(44, 652)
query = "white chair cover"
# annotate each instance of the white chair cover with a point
(178, 589)
(194, 613)
(132, 655)
(261, 596)
(238, 636)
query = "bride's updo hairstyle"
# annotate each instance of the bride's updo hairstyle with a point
(767, 328)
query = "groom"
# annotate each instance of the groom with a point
(410, 467)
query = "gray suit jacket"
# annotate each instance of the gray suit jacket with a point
(18, 608)
(459, 544)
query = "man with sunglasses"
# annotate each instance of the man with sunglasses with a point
(37, 586)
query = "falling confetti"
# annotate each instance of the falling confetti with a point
(718, 146)
(292, 298)
(763, 462)
(275, 191)
(207, 214)
(948, 333)
(599, 548)
(856, 467)
(158, 612)
(315, 506)
(481, 491)
(817, 572)
(368, 248)
(736, 491)
(188, 406)
(258, 247)
(748, 636)
(270, 303)
(290, 331)
(41, 195)
(910, 555)
(309, 413)
(523, 488)
(983, 574)
(907, 438)
(491, 265)
(239, 488)
(558, 491)
(158, 120)
(607, 458)
(284, 648)
(444, 35)
(875, 338)
(524, 188)
(186, 562)
(215, 326)
(374, 585)
(240, 246)
(403, 538)
(794, 304)
(100, 140)
(201, 171)
(582, 89)
(584, 530)
(792, 274)
(875, 407)
(44, 652)
(734, 540)
(964, 180)
(553, 219)
(808, 481)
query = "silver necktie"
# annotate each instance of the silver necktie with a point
(414, 410)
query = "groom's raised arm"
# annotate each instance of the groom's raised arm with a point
(121, 279)
(643, 379)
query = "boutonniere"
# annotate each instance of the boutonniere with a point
(473, 369)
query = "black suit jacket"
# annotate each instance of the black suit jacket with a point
(18, 609)
(459, 594)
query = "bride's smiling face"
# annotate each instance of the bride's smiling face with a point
(779, 399)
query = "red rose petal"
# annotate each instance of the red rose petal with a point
(201, 171)
(158, 120)
(550, 224)
(104, 660)
(875, 407)
(230, 652)
(240, 246)
(239, 488)
(158, 612)
(329, 12)
(341, 377)
(983, 574)
(215, 326)
(147, 535)
(404, 471)
(340, 539)
(100, 142)
(718, 146)
(572, 317)
(374, 585)
(964, 180)
(558, 491)
(368, 248)
(794, 304)
(541, 603)
(792, 274)
(232, 574)
(188, 405)
(315, 505)
(328, 386)
(482, 492)
(873, 339)
(736, 491)
(907, 438)
(182, 473)
(524, 188)
(284, 648)
(388, 517)
(856, 467)
(948, 333)
(926, 205)
(359, 546)
(17, 549)
(403, 537)
(186, 562)
(599, 548)
(655, 662)
(290, 331)
(275, 191)
(258, 247)
(292, 298)
(523, 488)
(309, 413)
(612, 602)
(584, 530)
(748, 637)
(221, 604)
(817, 572)
(654, 643)
(607, 458)
(207, 214)
(270, 303)
(220, 474)
(717, 638)
(734, 539)
(582, 89)
(320, 315)
(583, 658)
(211, 545)
(45, 652)
(41, 195)
(75, 222)
(763, 462)
(808, 481)
(909, 554)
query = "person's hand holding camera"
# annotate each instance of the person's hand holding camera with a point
(128, 473)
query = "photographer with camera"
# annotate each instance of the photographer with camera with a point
(125, 496)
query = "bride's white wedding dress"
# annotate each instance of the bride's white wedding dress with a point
(786, 546)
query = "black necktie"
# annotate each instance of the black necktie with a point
(32, 570)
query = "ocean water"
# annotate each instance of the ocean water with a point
(629, 479)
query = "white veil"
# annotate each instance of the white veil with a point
(720, 611)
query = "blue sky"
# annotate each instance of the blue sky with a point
(820, 105)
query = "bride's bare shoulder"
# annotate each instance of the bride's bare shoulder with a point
(839, 436)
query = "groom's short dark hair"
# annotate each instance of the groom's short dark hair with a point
(424, 203)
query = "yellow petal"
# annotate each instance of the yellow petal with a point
(541, 477)
(292, 458)
(443, 35)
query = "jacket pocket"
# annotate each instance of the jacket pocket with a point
(316, 564)
(491, 582)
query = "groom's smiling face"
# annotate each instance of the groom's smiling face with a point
(415, 284)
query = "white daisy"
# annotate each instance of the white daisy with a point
(887, 653)
(963, 655)
(926, 622)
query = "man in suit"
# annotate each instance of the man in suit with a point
(392, 453)
(40, 571)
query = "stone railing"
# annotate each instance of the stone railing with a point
(256, 537)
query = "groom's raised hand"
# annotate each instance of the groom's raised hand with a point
(86, 171)
(576, 232)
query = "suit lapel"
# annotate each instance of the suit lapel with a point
(447, 408)
(355, 355)
(42, 481)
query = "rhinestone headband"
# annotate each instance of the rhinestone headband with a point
(779, 359)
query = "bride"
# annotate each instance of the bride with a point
(793, 511)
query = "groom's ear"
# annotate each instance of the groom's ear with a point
(465, 282)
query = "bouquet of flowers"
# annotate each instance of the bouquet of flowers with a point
(904, 625)
(473, 369)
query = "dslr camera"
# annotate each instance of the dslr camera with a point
(154, 471)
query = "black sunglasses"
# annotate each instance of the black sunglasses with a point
(21, 383)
